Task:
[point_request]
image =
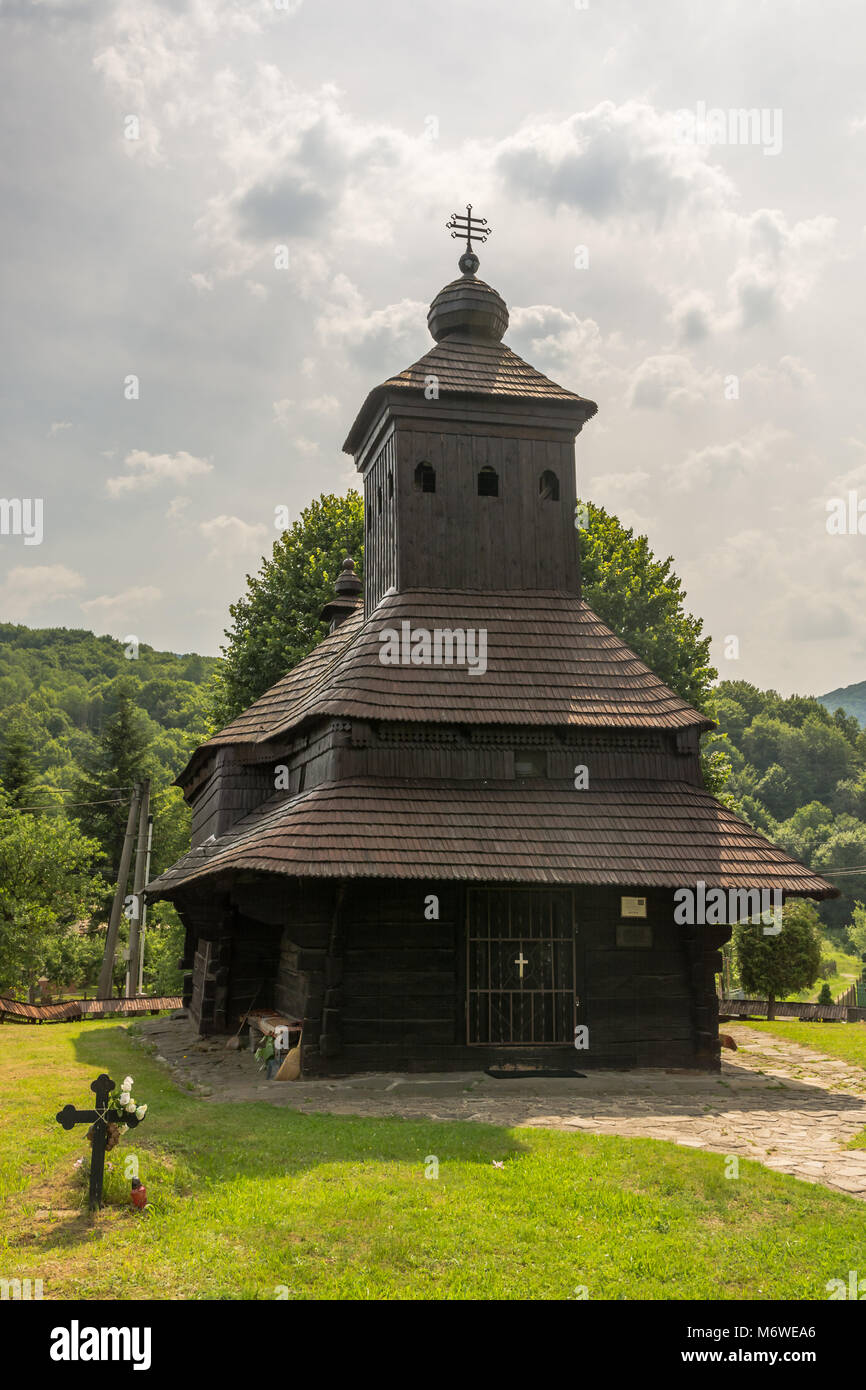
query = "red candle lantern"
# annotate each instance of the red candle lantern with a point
(139, 1194)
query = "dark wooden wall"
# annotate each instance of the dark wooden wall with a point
(380, 512)
(340, 749)
(454, 539)
(379, 986)
(462, 541)
(225, 791)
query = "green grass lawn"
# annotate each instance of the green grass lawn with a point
(249, 1199)
(848, 969)
(845, 1040)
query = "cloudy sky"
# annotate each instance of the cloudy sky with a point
(157, 152)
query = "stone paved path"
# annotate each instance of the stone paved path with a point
(789, 1107)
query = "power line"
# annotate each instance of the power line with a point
(64, 805)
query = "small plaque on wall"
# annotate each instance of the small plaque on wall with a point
(630, 934)
(632, 907)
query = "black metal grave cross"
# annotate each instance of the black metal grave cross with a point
(101, 1117)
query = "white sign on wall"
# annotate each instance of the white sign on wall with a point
(632, 907)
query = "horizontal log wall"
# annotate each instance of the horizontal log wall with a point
(400, 969)
(379, 986)
(229, 790)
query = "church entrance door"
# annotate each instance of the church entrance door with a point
(521, 967)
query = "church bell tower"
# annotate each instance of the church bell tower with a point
(468, 456)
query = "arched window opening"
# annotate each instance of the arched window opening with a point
(425, 478)
(488, 482)
(548, 486)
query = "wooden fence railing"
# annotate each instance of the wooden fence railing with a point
(757, 1008)
(75, 1009)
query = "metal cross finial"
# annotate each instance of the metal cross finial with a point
(468, 226)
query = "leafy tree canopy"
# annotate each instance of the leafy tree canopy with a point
(772, 966)
(642, 600)
(48, 888)
(276, 622)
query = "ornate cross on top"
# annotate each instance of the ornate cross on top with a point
(101, 1117)
(469, 227)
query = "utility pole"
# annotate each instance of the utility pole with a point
(139, 879)
(144, 907)
(106, 974)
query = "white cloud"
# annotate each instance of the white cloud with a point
(149, 470)
(781, 265)
(718, 465)
(617, 488)
(612, 161)
(667, 381)
(58, 426)
(322, 405)
(691, 315)
(853, 479)
(229, 537)
(112, 606)
(790, 374)
(367, 334)
(150, 57)
(176, 508)
(28, 586)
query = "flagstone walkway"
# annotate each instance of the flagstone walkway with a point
(787, 1106)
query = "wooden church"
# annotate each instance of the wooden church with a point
(450, 838)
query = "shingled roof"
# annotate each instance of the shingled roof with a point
(550, 661)
(623, 832)
(466, 365)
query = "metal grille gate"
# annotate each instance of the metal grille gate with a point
(520, 967)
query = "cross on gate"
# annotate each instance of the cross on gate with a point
(101, 1117)
(521, 961)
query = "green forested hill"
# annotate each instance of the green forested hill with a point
(81, 719)
(798, 773)
(61, 691)
(850, 698)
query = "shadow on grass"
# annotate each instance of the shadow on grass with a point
(192, 1147)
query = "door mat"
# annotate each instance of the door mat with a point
(522, 1074)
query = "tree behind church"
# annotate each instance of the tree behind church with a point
(642, 600)
(773, 966)
(276, 622)
(120, 760)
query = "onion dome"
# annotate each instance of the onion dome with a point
(470, 306)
